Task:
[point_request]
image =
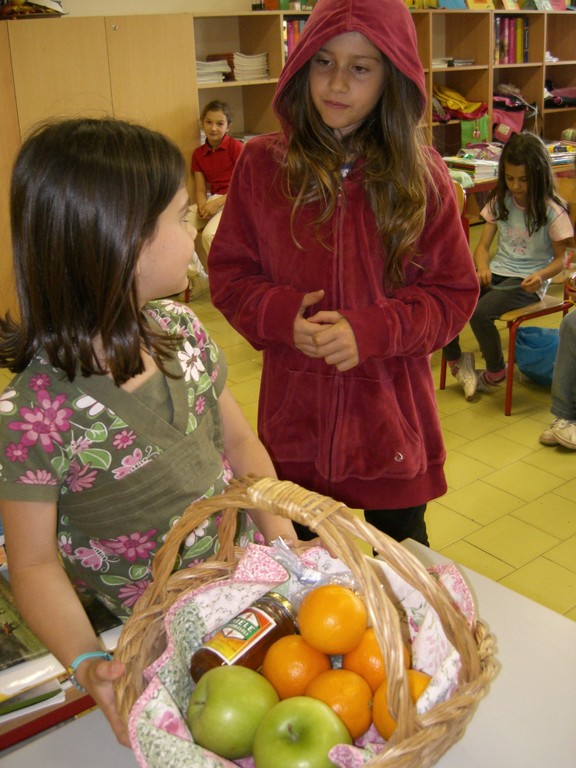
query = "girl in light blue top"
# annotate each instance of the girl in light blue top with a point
(533, 230)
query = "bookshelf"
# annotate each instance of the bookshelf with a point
(249, 33)
(143, 67)
(560, 38)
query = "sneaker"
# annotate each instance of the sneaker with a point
(485, 384)
(548, 437)
(464, 373)
(565, 434)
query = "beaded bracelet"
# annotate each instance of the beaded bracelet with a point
(71, 670)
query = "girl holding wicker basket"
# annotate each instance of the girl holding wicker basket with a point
(118, 416)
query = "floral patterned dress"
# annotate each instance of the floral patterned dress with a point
(122, 466)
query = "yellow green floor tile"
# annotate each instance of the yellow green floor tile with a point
(557, 460)
(495, 450)
(564, 554)
(481, 502)
(470, 424)
(512, 540)
(463, 552)
(550, 513)
(445, 526)
(525, 481)
(461, 470)
(246, 370)
(545, 582)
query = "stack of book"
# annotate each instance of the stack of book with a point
(562, 153)
(478, 170)
(30, 677)
(250, 67)
(212, 71)
(229, 58)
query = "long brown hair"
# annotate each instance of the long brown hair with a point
(391, 149)
(86, 196)
(528, 150)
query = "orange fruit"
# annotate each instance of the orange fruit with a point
(367, 659)
(332, 619)
(383, 720)
(348, 694)
(291, 664)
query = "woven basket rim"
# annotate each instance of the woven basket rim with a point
(419, 740)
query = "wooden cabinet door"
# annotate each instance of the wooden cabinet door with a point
(152, 73)
(60, 69)
(9, 144)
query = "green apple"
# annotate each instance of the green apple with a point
(298, 733)
(226, 708)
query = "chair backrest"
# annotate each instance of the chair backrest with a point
(460, 196)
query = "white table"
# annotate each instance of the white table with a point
(527, 719)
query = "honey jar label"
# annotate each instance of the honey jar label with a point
(240, 634)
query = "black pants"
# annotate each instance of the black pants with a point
(399, 524)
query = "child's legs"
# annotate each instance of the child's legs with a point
(452, 350)
(491, 305)
(196, 266)
(400, 524)
(564, 379)
(194, 220)
(210, 230)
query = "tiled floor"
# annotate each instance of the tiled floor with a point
(509, 512)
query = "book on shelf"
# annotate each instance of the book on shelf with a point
(228, 57)
(293, 30)
(19, 644)
(212, 71)
(250, 67)
(32, 699)
(33, 9)
(480, 5)
(478, 170)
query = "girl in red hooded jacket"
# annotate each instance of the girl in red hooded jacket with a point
(341, 255)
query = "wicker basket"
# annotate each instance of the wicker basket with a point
(419, 740)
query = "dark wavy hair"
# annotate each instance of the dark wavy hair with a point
(528, 150)
(390, 144)
(86, 196)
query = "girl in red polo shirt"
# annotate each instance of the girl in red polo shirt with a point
(212, 166)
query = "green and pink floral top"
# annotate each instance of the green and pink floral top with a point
(121, 466)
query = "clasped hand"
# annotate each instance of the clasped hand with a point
(326, 334)
(99, 678)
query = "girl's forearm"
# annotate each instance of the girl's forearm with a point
(554, 268)
(481, 258)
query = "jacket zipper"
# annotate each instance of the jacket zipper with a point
(337, 378)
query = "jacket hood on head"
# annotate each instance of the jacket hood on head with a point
(386, 23)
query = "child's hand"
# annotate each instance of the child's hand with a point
(99, 680)
(484, 276)
(203, 212)
(304, 329)
(335, 341)
(211, 209)
(532, 283)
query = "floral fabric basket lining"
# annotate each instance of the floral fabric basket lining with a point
(432, 610)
